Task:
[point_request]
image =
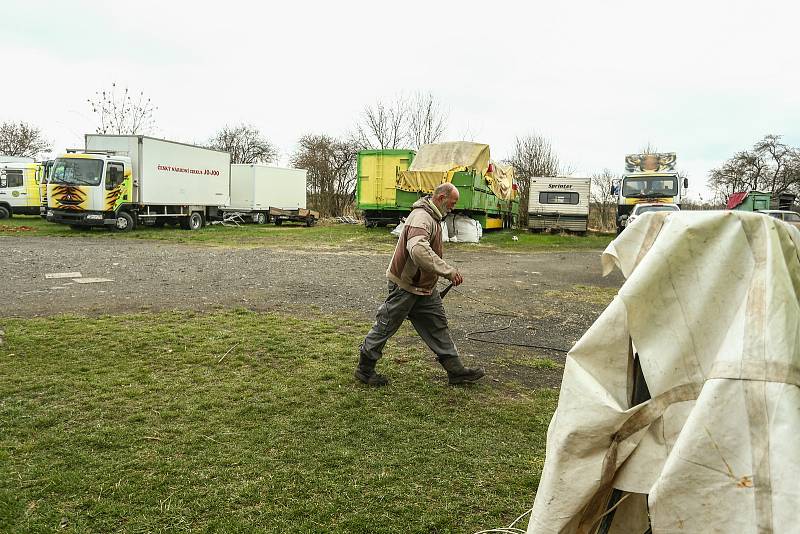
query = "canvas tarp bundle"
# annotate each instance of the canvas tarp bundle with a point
(435, 164)
(501, 181)
(710, 305)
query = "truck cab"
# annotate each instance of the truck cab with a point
(88, 188)
(19, 188)
(648, 178)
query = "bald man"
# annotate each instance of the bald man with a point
(413, 272)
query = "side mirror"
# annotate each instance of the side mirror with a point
(686, 183)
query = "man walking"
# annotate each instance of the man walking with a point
(413, 272)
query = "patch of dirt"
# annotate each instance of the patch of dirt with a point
(554, 296)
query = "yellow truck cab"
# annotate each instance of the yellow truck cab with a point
(86, 188)
(20, 187)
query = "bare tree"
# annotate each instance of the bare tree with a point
(382, 126)
(244, 143)
(427, 121)
(770, 165)
(401, 123)
(533, 156)
(331, 166)
(22, 139)
(603, 199)
(123, 112)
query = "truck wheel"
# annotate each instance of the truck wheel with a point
(260, 217)
(124, 222)
(310, 221)
(195, 221)
(4, 213)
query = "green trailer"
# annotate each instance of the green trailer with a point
(477, 200)
(390, 181)
(376, 186)
(750, 201)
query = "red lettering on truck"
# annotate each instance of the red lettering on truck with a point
(184, 170)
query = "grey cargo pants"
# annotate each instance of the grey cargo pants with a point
(426, 313)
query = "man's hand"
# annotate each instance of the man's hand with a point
(457, 279)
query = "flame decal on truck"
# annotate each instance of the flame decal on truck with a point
(115, 197)
(68, 197)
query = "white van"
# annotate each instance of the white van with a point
(19, 187)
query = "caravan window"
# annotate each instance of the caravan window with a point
(558, 197)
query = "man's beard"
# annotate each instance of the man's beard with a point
(443, 208)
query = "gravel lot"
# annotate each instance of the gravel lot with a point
(558, 294)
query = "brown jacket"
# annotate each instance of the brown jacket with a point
(417, 262)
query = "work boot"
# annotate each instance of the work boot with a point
(458, 374)
(365, 372)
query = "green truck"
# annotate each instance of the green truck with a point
(390, 181)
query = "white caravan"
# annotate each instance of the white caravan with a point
(559, 203)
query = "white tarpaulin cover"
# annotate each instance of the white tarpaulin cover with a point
(710, 306)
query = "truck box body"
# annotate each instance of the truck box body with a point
(559, 202)
(170, 173)
(259, 187)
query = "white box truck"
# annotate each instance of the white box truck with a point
(559, 203)
(266, 193)
(125, 180)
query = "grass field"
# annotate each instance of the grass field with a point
(236, 421)
(329, 236)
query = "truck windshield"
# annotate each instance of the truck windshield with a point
(76, 171)
(661, 186)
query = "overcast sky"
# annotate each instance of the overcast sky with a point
(599, 79)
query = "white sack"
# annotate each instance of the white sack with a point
(466, 230)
